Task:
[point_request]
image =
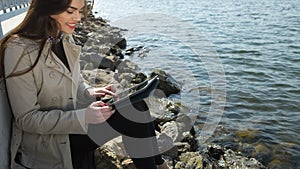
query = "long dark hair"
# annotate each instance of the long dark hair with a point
(37, 25)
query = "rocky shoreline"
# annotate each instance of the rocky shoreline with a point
(103, 62)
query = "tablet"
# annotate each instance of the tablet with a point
(135, 93)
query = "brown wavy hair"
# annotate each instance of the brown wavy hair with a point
(38, 26)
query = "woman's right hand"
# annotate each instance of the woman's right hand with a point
(102, 91)
(98, 112)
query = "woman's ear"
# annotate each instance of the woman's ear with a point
(52, 17)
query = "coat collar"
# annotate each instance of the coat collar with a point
(72, 53)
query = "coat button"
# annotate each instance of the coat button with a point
(52, 75)
(44, 144)
(54, 99)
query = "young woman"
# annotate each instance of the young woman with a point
(53, 109)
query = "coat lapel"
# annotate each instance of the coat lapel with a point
(72, 52)
(73, 55)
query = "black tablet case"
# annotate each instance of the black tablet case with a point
(135, 93)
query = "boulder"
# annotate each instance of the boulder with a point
(166, 82)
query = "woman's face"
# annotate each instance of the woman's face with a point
(68, 19)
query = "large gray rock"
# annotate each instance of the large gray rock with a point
(127, 66)
(166, 82)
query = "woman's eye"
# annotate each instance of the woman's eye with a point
(70, 12)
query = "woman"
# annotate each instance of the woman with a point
(53, 109)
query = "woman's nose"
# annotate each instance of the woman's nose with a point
(77, 16)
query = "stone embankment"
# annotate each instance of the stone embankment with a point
(103, 62)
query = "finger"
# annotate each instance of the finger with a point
(116, 97)
(100, 91)
(110, 92)
(100, 94)
(111, 87)
(98, 104)
(106, 108)
(103, 91)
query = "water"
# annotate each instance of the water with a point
(257, 46)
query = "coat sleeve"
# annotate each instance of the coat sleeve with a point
(23, 95)
(83, 98)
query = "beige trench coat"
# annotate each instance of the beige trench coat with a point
(43, 103)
